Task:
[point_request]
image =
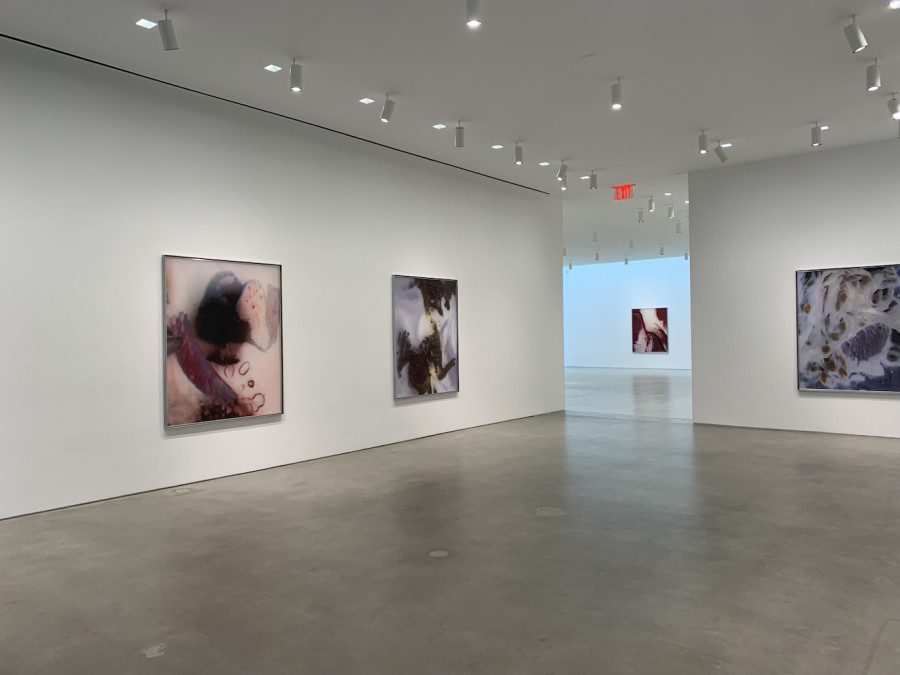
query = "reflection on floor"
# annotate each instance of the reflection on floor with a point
(574, 544)
(660, 394)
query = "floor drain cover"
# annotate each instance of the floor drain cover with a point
(551, 512)
(439, 553)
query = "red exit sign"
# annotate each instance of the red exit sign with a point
(623, 192)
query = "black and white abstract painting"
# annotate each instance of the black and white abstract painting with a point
(848, 329)
(426, 336)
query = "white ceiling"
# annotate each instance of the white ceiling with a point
(757, 73)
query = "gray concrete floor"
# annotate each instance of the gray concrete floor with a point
(630, 392)
(666, 548)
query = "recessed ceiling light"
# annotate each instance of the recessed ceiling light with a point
(272, 68)
(496, 147)
(727, 145)
(543, 163)
(585, 177)
(367, 101)
(825, 127)
(687, 201)
(439, 126)
(145, 23)
(668, 194)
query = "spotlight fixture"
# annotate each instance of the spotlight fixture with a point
(616, 94)
(296, 77)
(702, 143)
(678, 228)
(662, 249)
(815, 136)
(167, 33)
(640, 215)
(367, 101)
(387, 110)
(570, 264)
(438, 126)
(855, 37)
(720, 153)
(651, 204)
(597, 256)
(894, 106)
(563, 169)
(473, 14)
(564, 251)
(519, 155)
(596, 237)
(460, 136)
(686, 255)
(543, 163)
(626, 260)
(670, 211)
(873, 76)
(631, 243)
(593, 185)
(564, 184)
(145, 23)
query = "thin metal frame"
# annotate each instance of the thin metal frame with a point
(165, 356)
(865, 392)
(394, 337)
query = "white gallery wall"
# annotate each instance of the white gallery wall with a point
(752, 227)
(597, 302)
(103, 173)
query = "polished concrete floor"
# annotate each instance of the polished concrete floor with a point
(554, 544)
(630, 392)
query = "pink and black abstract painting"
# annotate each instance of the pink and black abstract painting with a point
(848, 329)
(650, 330)
(223, 340)
(426, 338)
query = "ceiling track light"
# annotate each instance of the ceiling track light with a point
(596, 237)
(563, 169)
(702, 143)
(593, 183)
(687, 255)
(721, 154)
(815, 136)
(519, 155)
(873, 76)
(640, 215)
(473, 14)
(678, 228)
(670, 212)
(387, 110)
(167, 33)
(597, 256)
(570, 264)
(894, 107)
(296, 77)
(626, 260)
(631, 243)
(662, 249)
(855, 37)
(460, 140)
(651, 205)
(564, 184)
(615, 91)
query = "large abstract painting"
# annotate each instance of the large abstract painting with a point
(848, 329)
(426, 336)
(650, 330)
(223, 340)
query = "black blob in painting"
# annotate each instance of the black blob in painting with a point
(223, 340)
(426, 336)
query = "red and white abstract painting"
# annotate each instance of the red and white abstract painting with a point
(650, 330)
